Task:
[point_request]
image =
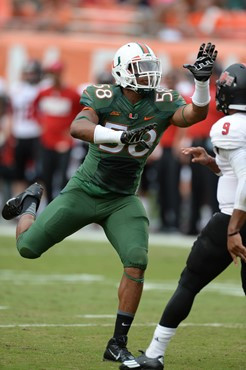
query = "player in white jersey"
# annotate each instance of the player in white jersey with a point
(25, 128)
(223, 239)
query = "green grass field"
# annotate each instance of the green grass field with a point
(57, 312)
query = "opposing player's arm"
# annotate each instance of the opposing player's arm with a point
(199, 155)
(202, 69)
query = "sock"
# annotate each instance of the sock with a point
(29, 206)
(123, 323)
(161, 338)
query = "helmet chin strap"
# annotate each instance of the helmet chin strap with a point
(140, 91)
(143, 91)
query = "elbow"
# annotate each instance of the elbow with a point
(83, 131)
(74, 131)
(201, 114)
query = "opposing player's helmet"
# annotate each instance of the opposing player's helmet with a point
(231, 89)
(136, 67)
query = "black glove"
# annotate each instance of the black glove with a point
(203, 66)
(136, 136)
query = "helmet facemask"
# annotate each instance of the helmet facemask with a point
(145, 74)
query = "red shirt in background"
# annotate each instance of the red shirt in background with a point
(55, 110)
(168, 136)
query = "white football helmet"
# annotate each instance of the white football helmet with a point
(136, 67)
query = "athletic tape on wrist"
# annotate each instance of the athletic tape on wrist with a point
(201, 96)
(103, 135)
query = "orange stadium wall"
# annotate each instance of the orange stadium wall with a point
(86, 56)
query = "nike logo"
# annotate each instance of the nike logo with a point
(123, 324)
(158, 340)
(148, 118)
(116, 357)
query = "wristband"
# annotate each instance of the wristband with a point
(103, 135)
(232, 234)
(201, 96)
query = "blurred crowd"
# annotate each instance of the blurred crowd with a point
(169, 20)
(35, 145)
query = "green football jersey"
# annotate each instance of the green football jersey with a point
(118, 168)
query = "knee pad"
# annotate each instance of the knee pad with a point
(136, 257)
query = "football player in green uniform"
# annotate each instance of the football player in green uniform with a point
(123, 123)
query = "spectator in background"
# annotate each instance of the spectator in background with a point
(6, 145)
(55, 108)
(171, 20)
(25, 128)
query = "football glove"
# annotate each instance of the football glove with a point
(135, 136)
(203, 66)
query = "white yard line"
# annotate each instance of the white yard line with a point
(43, 325)
(31, 278)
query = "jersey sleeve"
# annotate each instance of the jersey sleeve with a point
(98, 98)
(168, 100)
(87, 97)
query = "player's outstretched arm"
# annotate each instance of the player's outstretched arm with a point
(201, 70)
(199, 155)
(83, 125)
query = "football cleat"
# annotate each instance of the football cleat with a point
(116, 350)
(13, 206)
(143, 362)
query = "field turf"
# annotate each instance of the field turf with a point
(57, 312)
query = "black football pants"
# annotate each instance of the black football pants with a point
(208, 258)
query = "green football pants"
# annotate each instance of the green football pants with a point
(123, 219)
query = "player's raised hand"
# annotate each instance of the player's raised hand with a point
(135, 136)
(203, 66)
